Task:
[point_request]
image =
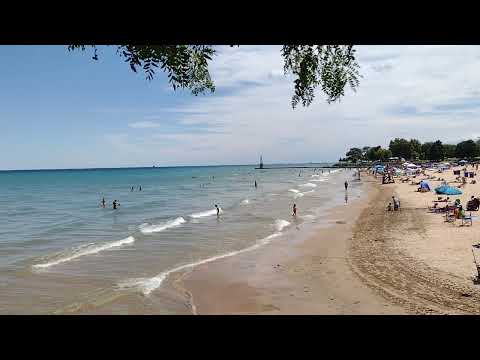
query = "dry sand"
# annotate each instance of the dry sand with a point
(368, 261)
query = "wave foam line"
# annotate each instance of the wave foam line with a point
(87, 251)
(205, 213)
(309, 185)
(146, 286)
(148, 229)
(294, 190)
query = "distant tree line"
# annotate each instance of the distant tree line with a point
(414, 150)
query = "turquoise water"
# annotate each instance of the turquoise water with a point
(59, 246)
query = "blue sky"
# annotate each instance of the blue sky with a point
(62, 109)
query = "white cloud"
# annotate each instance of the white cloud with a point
(144, 125)
(423, 92)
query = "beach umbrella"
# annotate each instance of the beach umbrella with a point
(448, 190)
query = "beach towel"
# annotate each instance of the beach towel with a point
(448, 190)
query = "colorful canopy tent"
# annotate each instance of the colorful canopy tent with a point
(448, 190)
(424, 185)
(379, 168)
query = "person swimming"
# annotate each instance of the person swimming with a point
(115, 204)
(294, 210)
(218, 209)
(103, 202)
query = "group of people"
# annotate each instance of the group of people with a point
(115, 204)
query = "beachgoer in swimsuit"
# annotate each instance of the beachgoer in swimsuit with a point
(294, 210)
(140, 188)
(103, 202)
(218, 210)
(131, 189)
(115, 204)
(255, 184)
(346, 184)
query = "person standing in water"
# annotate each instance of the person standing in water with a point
(115, 204)
(255, 184)
(131, 189)
(218, 210)
(103, 202)
(294, 210)
(346, 185)
(140, 188)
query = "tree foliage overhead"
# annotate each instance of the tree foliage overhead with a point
(185, 65)
(329, 67)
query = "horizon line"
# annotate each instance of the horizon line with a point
(161, 166)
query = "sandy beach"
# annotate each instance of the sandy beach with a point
(366, 261)
(295, 276)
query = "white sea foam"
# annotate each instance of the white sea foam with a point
(205, 213)
(309, 185)
(308, 217)
(246, 201)
(298, 195)
(148, 229)
(85, 250)
(308, 192)
(147, 285)
(315, 175)
(319, 180)
(294, 190)
(280, 224)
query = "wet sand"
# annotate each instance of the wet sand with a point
(290, 276)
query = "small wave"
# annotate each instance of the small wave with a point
(315, 175)
(308, 192)
(319, 180)
(148, 229)
(308, 217)
(280, 224)
(205, 213)
(294, 190)
(85, 250)
(147, 285)
(246, 201)
(309, 185)
(298, 195)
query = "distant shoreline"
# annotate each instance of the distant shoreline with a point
(153, 167)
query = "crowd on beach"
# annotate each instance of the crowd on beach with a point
(457, 195)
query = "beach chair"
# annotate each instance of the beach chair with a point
(467, 219)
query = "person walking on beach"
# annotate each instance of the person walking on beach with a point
(346, 185)
(103, 202)
(294, 210)
(218, 210)
(115, 204)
